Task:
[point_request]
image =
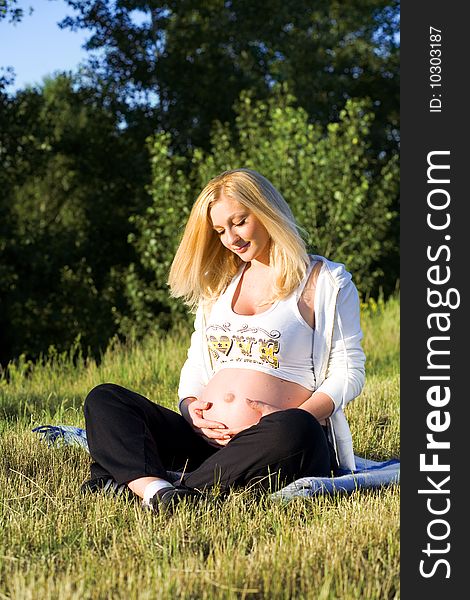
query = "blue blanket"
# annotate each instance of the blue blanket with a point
(369, 474)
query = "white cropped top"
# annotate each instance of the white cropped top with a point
(277, 341)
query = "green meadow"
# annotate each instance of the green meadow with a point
(55, 543)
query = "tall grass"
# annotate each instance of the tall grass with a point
(55, 543)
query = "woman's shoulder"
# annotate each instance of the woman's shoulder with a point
(330, 272)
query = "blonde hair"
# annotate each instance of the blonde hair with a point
(203, 267)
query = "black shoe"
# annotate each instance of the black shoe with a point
(107, 486)
(169, 497)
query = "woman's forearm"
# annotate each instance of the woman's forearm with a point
(320, 405)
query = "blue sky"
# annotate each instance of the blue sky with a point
(36, 47)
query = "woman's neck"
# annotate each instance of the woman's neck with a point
(258, 267)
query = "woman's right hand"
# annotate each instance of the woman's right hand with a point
(192, 410)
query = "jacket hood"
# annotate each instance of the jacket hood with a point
(337, 271)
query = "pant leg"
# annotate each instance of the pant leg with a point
(282, 447)
(130, 437)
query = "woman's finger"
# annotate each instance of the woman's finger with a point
(204, 423)
(212, 424)
(262, 407)
(199, 420)
(201, 404)
(215, 434)
(257, 405)
(234, 430)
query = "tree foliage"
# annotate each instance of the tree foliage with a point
(158, 231)
(327, 179)
(10, 10)
(69, 184)
(194, 58)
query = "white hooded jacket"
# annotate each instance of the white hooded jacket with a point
(338, 358)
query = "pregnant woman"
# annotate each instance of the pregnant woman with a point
(274, 358)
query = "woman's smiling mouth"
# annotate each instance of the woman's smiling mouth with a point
(242, 248)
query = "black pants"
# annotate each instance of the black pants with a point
(130, 437)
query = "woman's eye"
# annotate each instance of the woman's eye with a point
(242, 222)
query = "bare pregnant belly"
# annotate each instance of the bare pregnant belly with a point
(229, 389)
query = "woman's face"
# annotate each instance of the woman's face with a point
(239, 230)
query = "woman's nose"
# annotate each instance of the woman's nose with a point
(231, 236)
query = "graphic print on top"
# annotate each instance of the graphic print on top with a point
(247, 349)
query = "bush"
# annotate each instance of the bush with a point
(159, 231)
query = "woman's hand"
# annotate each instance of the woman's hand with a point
(230, 433)
(263, 408)
(215, 433)
(260, 407)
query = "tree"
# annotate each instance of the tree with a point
(70, 181)
(9, 10)
(194, 58)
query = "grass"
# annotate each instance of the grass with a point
(57, 544)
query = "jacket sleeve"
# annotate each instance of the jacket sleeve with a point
(193, 374)
(345, 374)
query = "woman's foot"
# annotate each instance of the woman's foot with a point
(168, 498)
(108, 486)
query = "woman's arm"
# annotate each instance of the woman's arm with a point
(320, 405)
(346, 325)
(192, 376)
(345, 372)
(191, 386)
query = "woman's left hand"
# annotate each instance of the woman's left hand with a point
(262, 407)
